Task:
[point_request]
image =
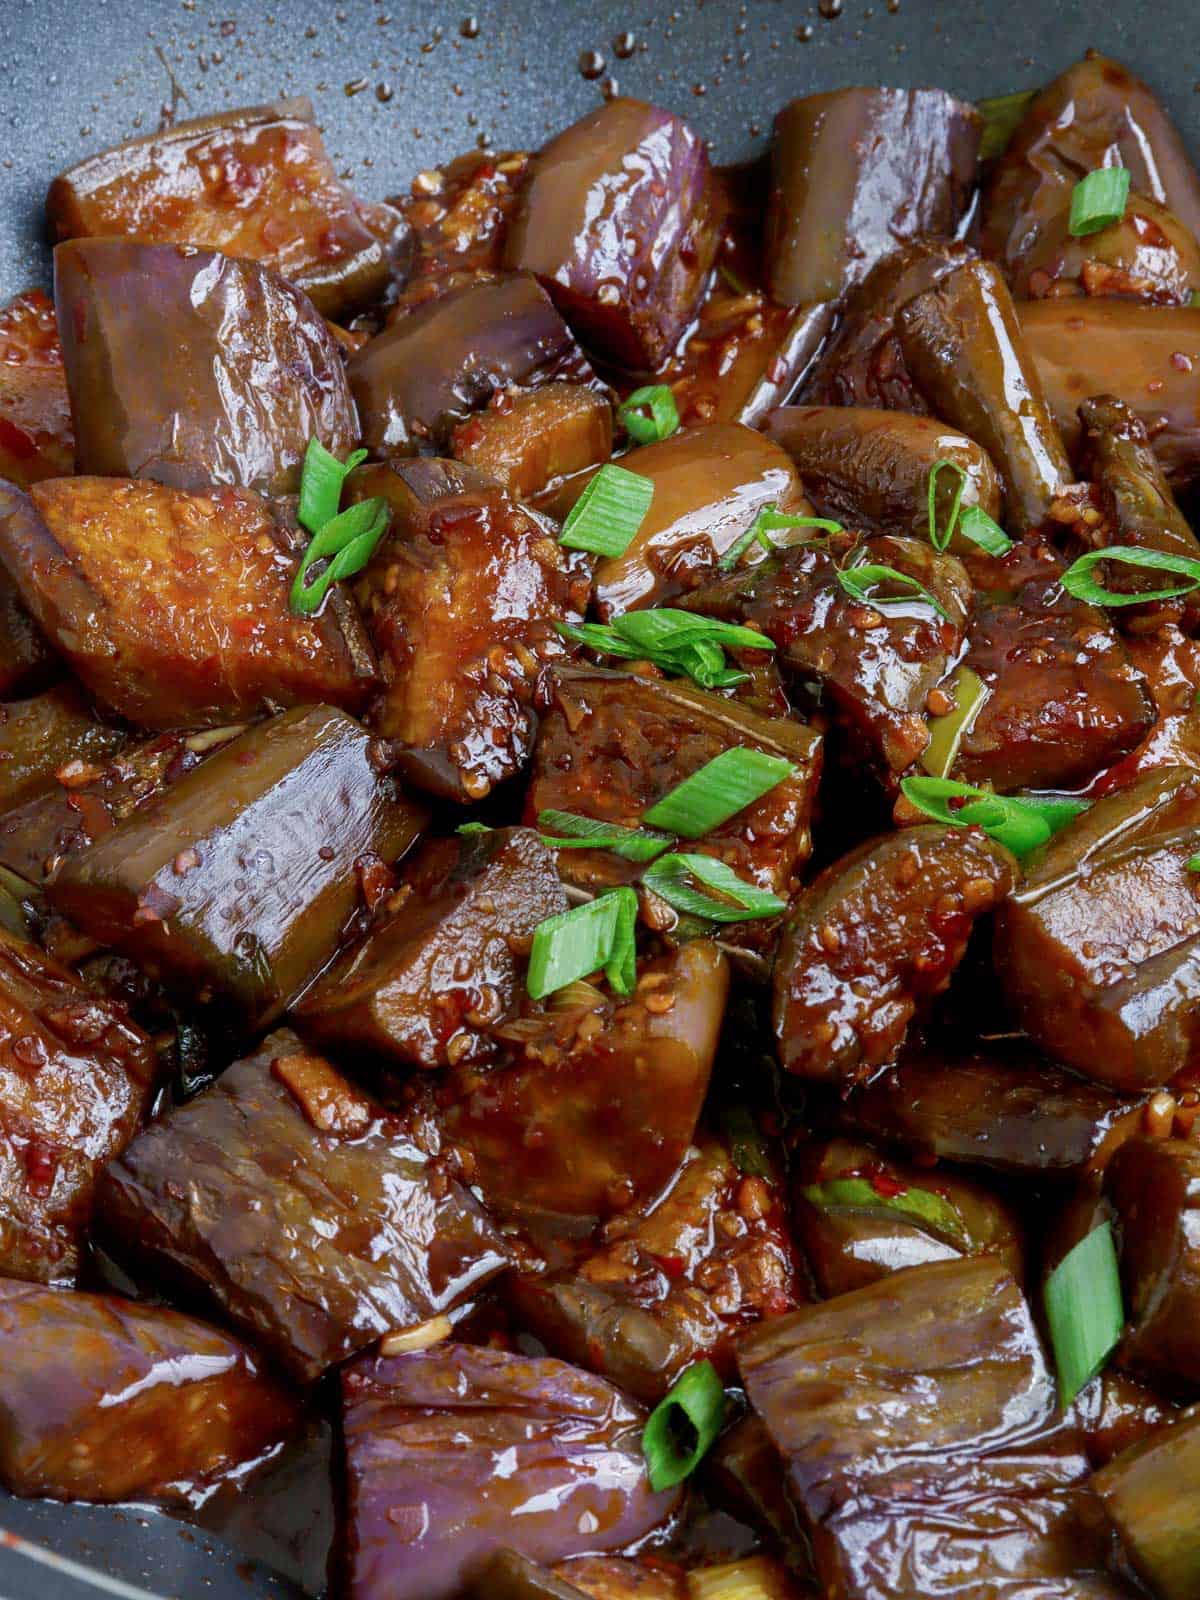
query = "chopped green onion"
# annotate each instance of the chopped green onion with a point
(1193, 864)
(980, 529)
(939, 540)
(1002, 115)
(582, 941)
(681, 642)
(349, 539)
(563, 830)
(860, 581)
(1098, 201)
(723, 786)
(1084, 1311)
(768, 521)
(1022, 823)
(663, 418)
(747, 1147)
(924, 1206)
(1078, 581)
(470, 829)
(683, 1426)
(321, 480)
(947, 733)
(606, 517)
(670, 879)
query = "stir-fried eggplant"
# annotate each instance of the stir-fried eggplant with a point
(1152, 1494)
(50, 734)
(531, 441)
(36, 440)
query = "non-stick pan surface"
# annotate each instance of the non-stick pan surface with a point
(401, 86)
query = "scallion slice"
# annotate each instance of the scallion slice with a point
(321, 480)
(1020, 822)
(1077, 580)
(650, 414)
(1084, 1311)
(349, 541)
(470, 830)
(768, 521)
(861, 581)
(606, 517)
(1098, 201)
(681, 642)
(923, 1206)
(946, 733)
(723, 786)
(683, 1426)
(621, 967)
(975, 524)
(1002, 115)
(582, 941)
(1193, 864)
(747, 1147)
(939, 538)
(563, 830)
(672, 878)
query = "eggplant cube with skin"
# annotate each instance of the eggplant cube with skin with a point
(36, 438)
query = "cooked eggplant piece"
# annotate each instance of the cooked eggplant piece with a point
(744, 356)
(1117, 1412)
(428, 983)
(599, 1104)
(1170, 664)
(461, 599)
(255, 183)
(673, 1286)
(530, 442)
(313, 1218)
(27, 662)
(1151, 1493)
(36, 440)
(856, 172)
(425, 374)
(103, 1399)
(709, 485)
(872, 938)
(509, 1576)
(55, 732)
(619, 218)
(1148, 255)
(748, 1479)
(235, 888)
(1099, 948)
(76, 1077)
(873, 664)
(194, 368)
(620, 1578)
(456, 1452)
(870, 468)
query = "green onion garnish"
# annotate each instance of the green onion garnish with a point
(1002, 115)
(860, 581)
(1084, 1311)
(650, 414)
(321, 480)
(975, 524)
(349, 539)
(680, 642)
(1098, 201)
(924, 1206)
(1022, 823)
(768, 521)
(606, 517)
(747, 1148)
(1193, 864)
(683, 1426)
(670, 878)
(1078, 580)
(723, 786)
(946, 733)
(940, 538)
(563, 830)
(579, 942)
(470, 829)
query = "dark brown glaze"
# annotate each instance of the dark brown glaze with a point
(709, 485)
(1151, 1493)
(1148, 255)
(103, 1399)
(76, 1077)
(460, 600)
(428, 371)
(36, 438)
(857, 172)
(746, 1474)
(872, 938)
(236, 885)
(174, 607)
(848, 1243)
(963, 345)
(255, 183)
(1117, 1412)
(869, 468)
(1170, 664)
(672, 1286)
(455, 1452)
(598, 1105)
(427, 984)
(51, 733)
(619, 217)
(531, 441)
(314, 1219)
(621, 1578)
(874, 665)
(245, 372)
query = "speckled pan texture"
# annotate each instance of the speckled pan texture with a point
(399, 87)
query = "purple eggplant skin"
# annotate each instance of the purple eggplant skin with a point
(856, 172)
(457, 1451)
(235, 888)
(194, 368)
(1151, 1493)
(619, 218)
(291, 1200)
(423, 376)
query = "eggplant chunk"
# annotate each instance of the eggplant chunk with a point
(872, 938)
(963, 345)
(255, 183)
(236, 887)
(1170, 663)
(860, 1215)
(748, 1481)
(428, 371)
(1118, 1412)
(455, 1452)
(76, 1078)
(598, 1105)
(103, 1399)
(619, 218)
(52, 733)
(856, 172)
(709, 485)
(621, 1578)
(1147, 255)
(1153, 1186)
(531, 442)
(509, 1576)
(426, 985)
(670, 1287)
(27, 663)
(314, 1219)
(1151, 1493)
(193, 368)
(36, 439)
(875, 664)
(461, 599)
(870, 468)
(1117, 1000)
